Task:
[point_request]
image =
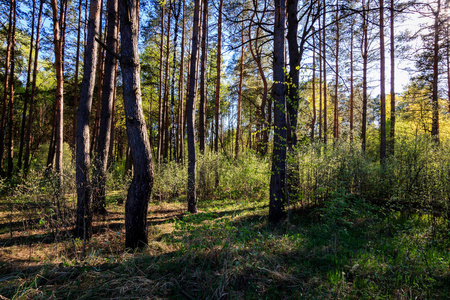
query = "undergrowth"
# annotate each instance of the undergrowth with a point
(355, 229)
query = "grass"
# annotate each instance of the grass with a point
(346, 248)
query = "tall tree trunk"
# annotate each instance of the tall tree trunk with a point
(101, 160)
(190, 116)
(160, 109)
(6, 86)
(365, 53)
(100, 74)
(294, 63)
(217, 98)
(324, 43)
(256, 55)
(176, 13)
(33, 91)
(180, 127)
(83, 227)
(392, 131)
(351, 83)
(313, 122)
(435, 100)
(59, 103)
(141, 186)
(202, 108)
(278, 169)
(336, 87)
(77, 67)
(320, 77)
(382, 87)
(239, 106)
(166, 93)
(11, 94)
(27, 91)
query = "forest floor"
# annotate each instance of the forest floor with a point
(345, 249)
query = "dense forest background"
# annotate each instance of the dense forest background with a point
(237, 149)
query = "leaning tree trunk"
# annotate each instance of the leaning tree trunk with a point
(277, 179)
(190, 116)
(141, 186)
(101, 160)
(83, 227)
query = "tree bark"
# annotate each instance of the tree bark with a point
(324, 43)
(364, 53)
(351, 83)
(11, 93)
(83, 227)
(181, 114)
(202, 108)
(294, 64)
(313, 122)
(33, 92)
(77, 67)
(382, 87)
(160, 107)
(435, 99)
(190, 109)
(27, 92)
(239, 106)
(278, 169)
(336, 87)
(165, 124)
(59, 103)
(6, 86)
(176, 14)
(101, 160)
(392, 131)
(141, 185)
(217, 96)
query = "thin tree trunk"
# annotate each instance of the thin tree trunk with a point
(33, 91)
(141, 186)
(6, 85)
(180, 127)
(239, 107)
(11, 94)
(351, 84)
(160, 109)
(202, 108)
(176, 14)
(320, 80)
(365, 53)
(101, 160)
(166, 93)
(336, 87)
(294, 63)
(382, 87)
(435, 103)
(77, 67)
(278, 195)
(100, 74)
(27, 91)
(190, 109)
(217, 98)
(325, 117)
(313, 123)
(83, 227)
(392, 131)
